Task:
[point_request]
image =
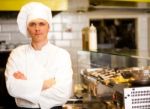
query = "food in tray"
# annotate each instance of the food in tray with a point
(101, 73)
(121, 79)
(126, 76)
(107, 76)
(116, 80)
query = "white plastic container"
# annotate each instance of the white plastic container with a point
(92, 38)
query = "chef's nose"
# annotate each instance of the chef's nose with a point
(37, 27)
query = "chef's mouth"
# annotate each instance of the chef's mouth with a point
(38, 34)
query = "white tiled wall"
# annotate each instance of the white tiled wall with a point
(5, 36)
(9, 28)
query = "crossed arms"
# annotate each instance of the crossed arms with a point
(46, 84)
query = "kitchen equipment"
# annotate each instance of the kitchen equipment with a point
(96, 79)
(140, 75)
(91, 77)
(137, 98)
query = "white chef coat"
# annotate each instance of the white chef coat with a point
(37, 66)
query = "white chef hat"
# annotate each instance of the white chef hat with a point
(31, 11)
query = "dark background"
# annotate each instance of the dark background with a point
(119, 33)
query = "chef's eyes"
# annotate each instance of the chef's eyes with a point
(32, 24)
(42, 24)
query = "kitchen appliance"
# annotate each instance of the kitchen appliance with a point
(102, 81)
(137, 98)
(101, 85)
(114, 82)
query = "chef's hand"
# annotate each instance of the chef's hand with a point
(48, 83)
(19, 75)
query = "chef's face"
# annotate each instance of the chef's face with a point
(38, 30)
